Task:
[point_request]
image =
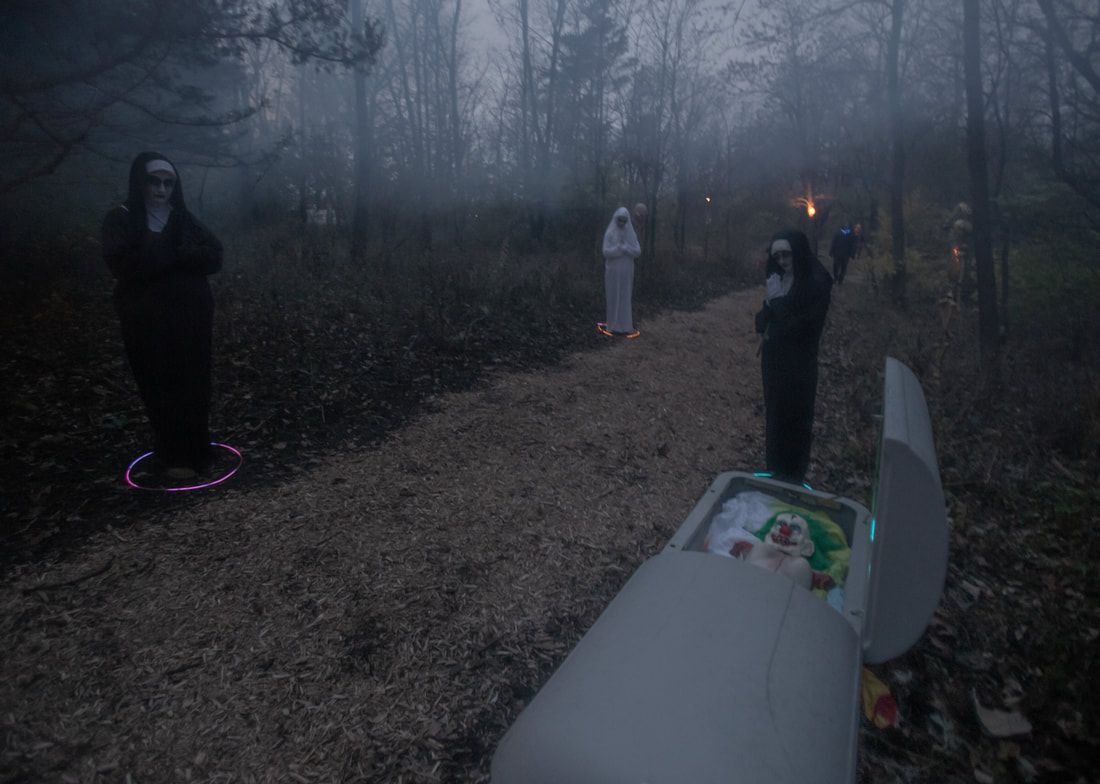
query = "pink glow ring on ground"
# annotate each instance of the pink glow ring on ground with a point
(218, 481)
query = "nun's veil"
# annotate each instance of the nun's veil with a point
(623, 237)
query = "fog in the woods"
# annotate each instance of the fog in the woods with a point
(409, 192)
(449, 122)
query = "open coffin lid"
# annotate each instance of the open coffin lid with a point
(899, 550)
(708, 669)
(908, 530)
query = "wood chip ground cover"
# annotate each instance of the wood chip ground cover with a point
(385, 614)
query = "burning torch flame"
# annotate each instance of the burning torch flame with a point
(707, 199)
(808, 203)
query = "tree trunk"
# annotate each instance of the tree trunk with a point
(679, 221)
(458, 153)
(979, 186)
(651, 221)
(897, 179)
(527, 117)
(545, 138)
(361, 149)
(303, 182)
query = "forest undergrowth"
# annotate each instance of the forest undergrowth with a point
(312, 353)
(1004, 681)
(316, 357)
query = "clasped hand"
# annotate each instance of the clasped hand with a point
(774, 286)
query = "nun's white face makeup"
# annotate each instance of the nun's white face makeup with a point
(158, 187)
(781, 252)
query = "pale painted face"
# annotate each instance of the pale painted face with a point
(158, 187)
(781, 252)
(791, 534)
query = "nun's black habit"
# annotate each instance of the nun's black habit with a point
(166, 311)
(792, 324)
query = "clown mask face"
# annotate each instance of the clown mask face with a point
(791, 534)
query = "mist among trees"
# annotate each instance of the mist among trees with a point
(410, 192)
(391, 118)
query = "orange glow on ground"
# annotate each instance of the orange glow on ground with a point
(602, 328)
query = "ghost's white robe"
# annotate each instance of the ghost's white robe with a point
(620, 248)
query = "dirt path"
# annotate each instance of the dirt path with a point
(385, 616)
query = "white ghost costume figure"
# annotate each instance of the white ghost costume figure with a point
(620, 248)
(784, 550)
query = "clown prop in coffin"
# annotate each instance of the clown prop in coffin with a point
(785, 551)
(804, 545)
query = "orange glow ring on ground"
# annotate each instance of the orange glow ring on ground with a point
(601, 326)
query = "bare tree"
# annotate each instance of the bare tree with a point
(897, 145)
(362, 147)
(1074, 149)
(109, 69)
(979, 186)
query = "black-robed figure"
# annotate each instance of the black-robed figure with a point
(160, 255)
(842, 249)
(791, 322)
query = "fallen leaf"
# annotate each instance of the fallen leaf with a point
(973, 591)
(943, 729)
(1001, 724)
(1012, 692)
(1028, 771)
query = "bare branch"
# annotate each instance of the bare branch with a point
(1076, 59)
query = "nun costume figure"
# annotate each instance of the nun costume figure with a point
(620, 248)
(160, 256)
(791, 322)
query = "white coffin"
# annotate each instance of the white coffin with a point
(706, 669)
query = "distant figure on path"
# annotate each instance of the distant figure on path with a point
(842, 249)
(858, 241)
(962, 231)
(160, 256)
(620, 248)
(791, 322)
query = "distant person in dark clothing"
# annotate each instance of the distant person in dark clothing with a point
(791, 322)
(842, 249)
(858, 241)
(160, 255)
